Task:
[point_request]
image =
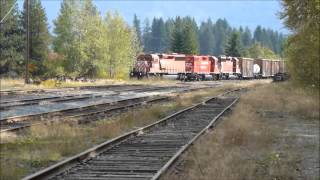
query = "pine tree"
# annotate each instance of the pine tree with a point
(247, 37)
(177, 40)
(11, 41)
(147, 36)
(222, 31)
(233, 47)
(158, 35)
(39, 37)
(190, 40)
(169, 24)
(136, 25)
(206, 38)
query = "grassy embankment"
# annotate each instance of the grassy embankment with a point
(272, 133)
(46, 144)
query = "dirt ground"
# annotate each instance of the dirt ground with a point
(272, 133)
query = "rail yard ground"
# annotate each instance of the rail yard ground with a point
(272, 132)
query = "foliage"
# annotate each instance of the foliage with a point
(212, 38)
(303, 18)
(206, 37)
(121, 53)
(190, 37)
(136, 25)
(39, 36)
(84, 43)
(233, 47)
(177, 37)
(11, 38)
(185, 38)
(92, 46)
(258, 51)
(158, 35)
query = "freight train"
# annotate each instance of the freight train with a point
(200, 67)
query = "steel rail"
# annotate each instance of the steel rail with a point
(79, 116)
(6, 92)
(33, 101)
(92, 152)
(26, 125)
(40, 114)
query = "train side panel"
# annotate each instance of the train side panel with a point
(275, 67)
(172, 64)
(214, 68)
(202, 65)
(282, 66)
(246, 67)
(226, 65)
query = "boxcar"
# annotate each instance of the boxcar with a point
(282, 67)
(275, 67)
(265, 68)
(246, 67)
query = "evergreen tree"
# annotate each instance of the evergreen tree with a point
(136, 25)
(257, 37)
(234, 47)
(169, 24)
(222, 31)
(147, 36)
(39, 37)
(190, 40)
(11, 41)
(206, 38)
(246, 37)
(158, 35)
(177, 41)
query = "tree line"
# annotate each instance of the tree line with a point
(86, 43)
(83, 42)
(183, 35)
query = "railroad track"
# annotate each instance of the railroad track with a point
(4, 105)
(91, 113)
(145, 153)
(15, 92)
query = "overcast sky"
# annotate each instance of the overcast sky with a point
(238, 13)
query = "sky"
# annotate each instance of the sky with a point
(238, 13)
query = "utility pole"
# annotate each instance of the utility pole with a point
(27, 41)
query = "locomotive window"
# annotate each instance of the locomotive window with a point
(180, 58)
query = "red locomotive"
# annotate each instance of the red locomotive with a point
(198, 67)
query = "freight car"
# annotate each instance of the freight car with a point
(265, 68)
(246, 68)
(197, 67)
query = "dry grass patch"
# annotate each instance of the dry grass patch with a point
(249, 143)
